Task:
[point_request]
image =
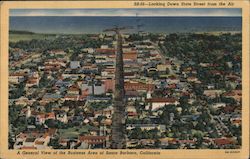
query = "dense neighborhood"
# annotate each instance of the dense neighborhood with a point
(182, 90)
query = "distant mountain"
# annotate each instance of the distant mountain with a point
(20, 32)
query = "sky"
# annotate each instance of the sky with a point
(129, 12)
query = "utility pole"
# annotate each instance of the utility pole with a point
(118, 118)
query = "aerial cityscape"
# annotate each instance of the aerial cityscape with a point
(122, 83)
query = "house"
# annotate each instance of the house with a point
(132, 115)
(129, 75)
(73, 90)
(39, 118)
(88, 50)
(32, 81)
(62, 117)
(105, 112)
(42, 142)
(236, 121)
(71, 97)
(109, 85)
(104, 46)
(132, 95)
(223, 141)
(98, 88)
(61, 83)
(193, 79)
(212, 93)
(132, 143)
(173, 80)
(163, 67)
(218, 105)
(98, 99)
(100, 59)
(105, 51)
(108, 122)
(185, 142)
(50, 97)
(210, 86)
(138, 86)
(147, 142)
(131, 108)
(130, 55)
(63, 142)
(50, 67)
(164, 141)
(33, 140)
(28, 148)
(55, 62)
(57, 52)
(28, 112)
(73, 76)
(24, 101)
(50, 116)
(235, 94)
(108, 73)
(17, 78)
(131, 66)
(89, 68)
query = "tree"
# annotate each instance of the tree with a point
(184, 104)
(48, 107)
(157, 143)
(14, 111)
(136, 133)
(50, 123)
(54, 142)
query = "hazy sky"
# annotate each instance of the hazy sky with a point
(128, 12)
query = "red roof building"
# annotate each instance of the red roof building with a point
(223, 141)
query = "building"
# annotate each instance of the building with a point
(156, 103)
(75, 64)
(129, 86)
(16, 78)
(160, 127)
(62, 117)
(93, 141)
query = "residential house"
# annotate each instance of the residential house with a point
(17, 78)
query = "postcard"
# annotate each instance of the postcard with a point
(124, 79)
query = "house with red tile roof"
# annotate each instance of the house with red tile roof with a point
(129, 86)
(223, 141)
(235, 94)
(73, 90)
(17, 77)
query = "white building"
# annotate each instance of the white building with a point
(62, 117)
(156, 103)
